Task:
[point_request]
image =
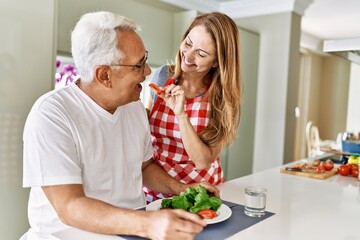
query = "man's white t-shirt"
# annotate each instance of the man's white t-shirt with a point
(69, 139)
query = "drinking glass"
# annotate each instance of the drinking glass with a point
(255, 201)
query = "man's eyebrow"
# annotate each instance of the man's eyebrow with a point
(142, 59)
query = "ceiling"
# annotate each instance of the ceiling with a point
(323, 19)
(332, 19)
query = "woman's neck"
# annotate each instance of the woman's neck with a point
(193, 85)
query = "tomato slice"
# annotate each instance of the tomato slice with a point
(156, 88)
(207, 213)
(320, 169)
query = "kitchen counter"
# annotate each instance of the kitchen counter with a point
(304, 208)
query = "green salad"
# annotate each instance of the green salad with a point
(193, 200)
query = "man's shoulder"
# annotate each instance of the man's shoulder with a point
(51, 98)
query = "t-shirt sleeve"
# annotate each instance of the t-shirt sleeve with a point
(50, 155)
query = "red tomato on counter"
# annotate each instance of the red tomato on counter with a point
(344, 170)
(328, 165)
(355, 172)
(207, 213)
(354, 169)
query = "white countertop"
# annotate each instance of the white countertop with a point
(304, 208)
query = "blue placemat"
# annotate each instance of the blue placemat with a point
(236, 223)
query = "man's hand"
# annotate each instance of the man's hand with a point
(74, 209)
(174, 224)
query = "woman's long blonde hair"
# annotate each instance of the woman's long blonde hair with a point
(224, 90)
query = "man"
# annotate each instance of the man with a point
(87, 146)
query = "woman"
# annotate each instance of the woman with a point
(198, 112)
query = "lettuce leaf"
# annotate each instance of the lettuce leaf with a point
(192, 200)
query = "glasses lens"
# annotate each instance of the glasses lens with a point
(145, 61)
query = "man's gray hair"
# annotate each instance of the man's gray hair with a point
(94, 41)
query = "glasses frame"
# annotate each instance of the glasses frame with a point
(140, 66)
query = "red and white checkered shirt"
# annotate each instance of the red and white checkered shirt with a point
(169, 151)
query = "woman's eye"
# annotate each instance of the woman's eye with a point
(201, 54)
(188, 44)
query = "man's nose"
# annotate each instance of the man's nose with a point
(147, 70)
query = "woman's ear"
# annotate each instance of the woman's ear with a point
(215, 64)
(102, 75)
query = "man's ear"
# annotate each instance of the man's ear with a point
(102, 75)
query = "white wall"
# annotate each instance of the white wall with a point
(181, 23)
(353, 111)
(334, 96)
(157, 24)
(237, 160)
(273, 83)
(26, 72)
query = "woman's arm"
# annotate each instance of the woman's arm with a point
(201, 154)
(157, 179)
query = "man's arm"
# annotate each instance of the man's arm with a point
(74, 208)
(157, 179)
(77, 210)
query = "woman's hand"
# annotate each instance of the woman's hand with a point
(175, 98)
(208, 186)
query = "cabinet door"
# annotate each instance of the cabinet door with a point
(237, 160)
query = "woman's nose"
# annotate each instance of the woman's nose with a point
(190, 54)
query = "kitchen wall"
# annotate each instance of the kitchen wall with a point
(314, 73)
(157, 24)
(276, 90)
(324, 83)
(333, 86)
(237, 159)
(353, 109)
(26, 72)
(334, 96)
(331, 95)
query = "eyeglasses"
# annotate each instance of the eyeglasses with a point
(138, 67)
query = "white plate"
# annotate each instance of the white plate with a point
(224, 212)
